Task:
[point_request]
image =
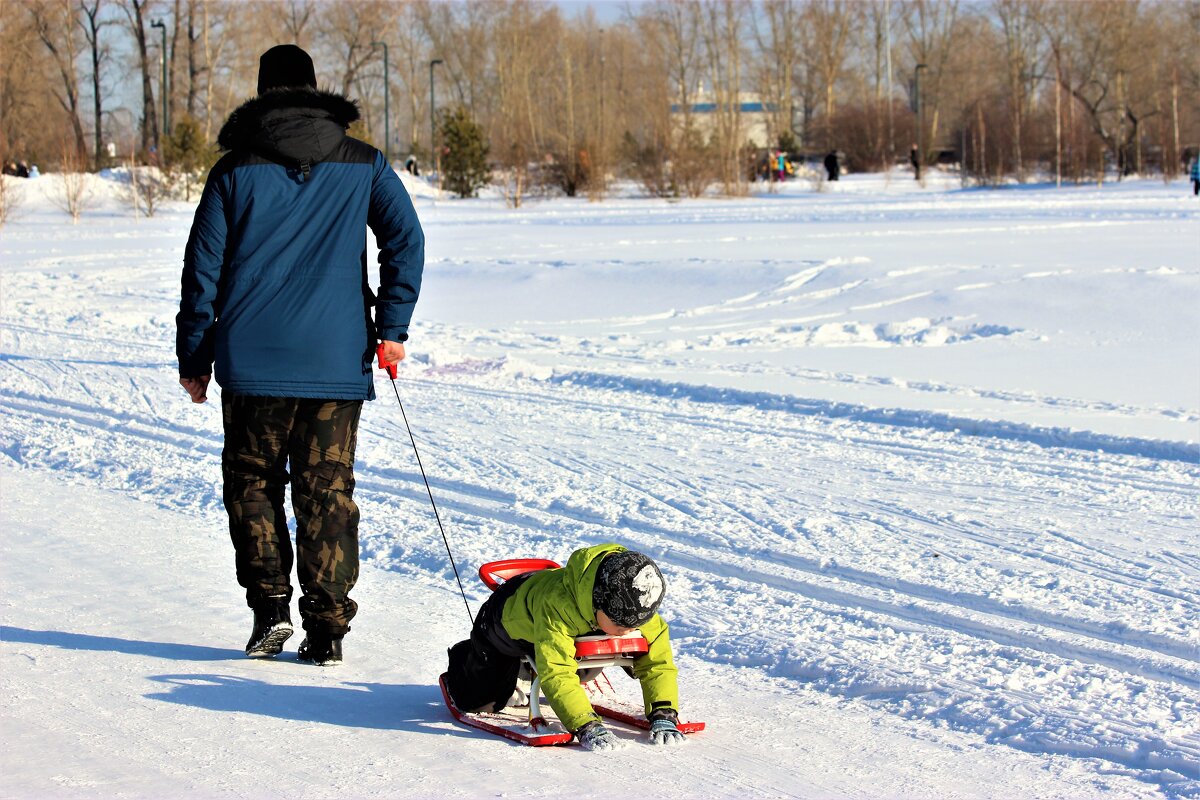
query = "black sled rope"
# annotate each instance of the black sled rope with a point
(391, 372)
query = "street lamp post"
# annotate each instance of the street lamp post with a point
(387, 90)
(433, 159)
(163, 89)
(920, 121)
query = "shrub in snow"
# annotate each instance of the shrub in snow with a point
(11, 195)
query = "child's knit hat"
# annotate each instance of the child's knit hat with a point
(628, 588)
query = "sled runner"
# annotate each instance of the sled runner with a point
(593, 652)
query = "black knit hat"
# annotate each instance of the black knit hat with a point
(285, 65)
(628, 588)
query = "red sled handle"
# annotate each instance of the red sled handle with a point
(390, 369)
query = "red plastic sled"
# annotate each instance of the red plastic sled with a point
(510, 723)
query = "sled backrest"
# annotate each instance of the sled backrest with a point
(617, 648)
(598, 650)
(495, 573)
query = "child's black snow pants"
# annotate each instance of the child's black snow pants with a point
(483, 669)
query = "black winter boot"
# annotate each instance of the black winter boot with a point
(321, 649)
(272, 627)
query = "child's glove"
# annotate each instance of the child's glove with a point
(663, 727)
(594, 736)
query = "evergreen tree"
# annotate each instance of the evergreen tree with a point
(464, 153)
(186, 155)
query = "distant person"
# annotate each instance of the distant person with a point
(33, 172)
(914, 158)
(410, 166)
(276, 297)
(1195, 174)
(831, 165)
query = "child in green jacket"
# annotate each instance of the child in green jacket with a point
(604, 588)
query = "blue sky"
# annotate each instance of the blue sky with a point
(607, 11)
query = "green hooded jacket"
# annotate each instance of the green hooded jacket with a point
(554, 606)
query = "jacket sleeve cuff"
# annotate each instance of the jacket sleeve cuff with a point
(393, 335)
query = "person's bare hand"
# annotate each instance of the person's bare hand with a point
(196, 387)
(393, 352)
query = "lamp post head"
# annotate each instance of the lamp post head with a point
(158, 23)
(435, 62)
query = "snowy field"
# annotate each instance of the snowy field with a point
(920, 466)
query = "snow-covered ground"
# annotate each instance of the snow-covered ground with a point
(920, 465)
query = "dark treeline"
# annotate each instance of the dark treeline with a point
(679, 95)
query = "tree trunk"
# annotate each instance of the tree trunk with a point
(135, 14)
(50, 26)
(92, 33)
(193, 67)
(169, 89)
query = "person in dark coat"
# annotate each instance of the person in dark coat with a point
(831, 165)
(276, 297)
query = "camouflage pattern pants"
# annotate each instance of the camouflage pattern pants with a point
(264, 436)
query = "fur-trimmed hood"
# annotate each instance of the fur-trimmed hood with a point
(292, 126)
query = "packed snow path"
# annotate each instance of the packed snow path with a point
(981, 595)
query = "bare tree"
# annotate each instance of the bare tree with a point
(11, 195)
(349, 29)
(296, 18)
(1023, 57)
(462, 35)
(931, 27)
(827, 27)
(722, 35)
(56, 23)
(136, 12)
(74, 189)
(644, 115)
(147, 189)
(214, 41)
(576, 118)
(776, 33)
(876, 82)
(1103, 71)
(92, 23)
(518, 132)
(673, 149)
(412, 54)
(674, 29)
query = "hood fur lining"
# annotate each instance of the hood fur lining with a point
(245, 122)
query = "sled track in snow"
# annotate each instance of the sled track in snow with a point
(1170, 660)
(1187, 452)
(1137, 652)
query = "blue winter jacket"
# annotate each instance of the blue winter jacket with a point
(275, 286)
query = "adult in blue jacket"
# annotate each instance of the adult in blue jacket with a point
(276, 296)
